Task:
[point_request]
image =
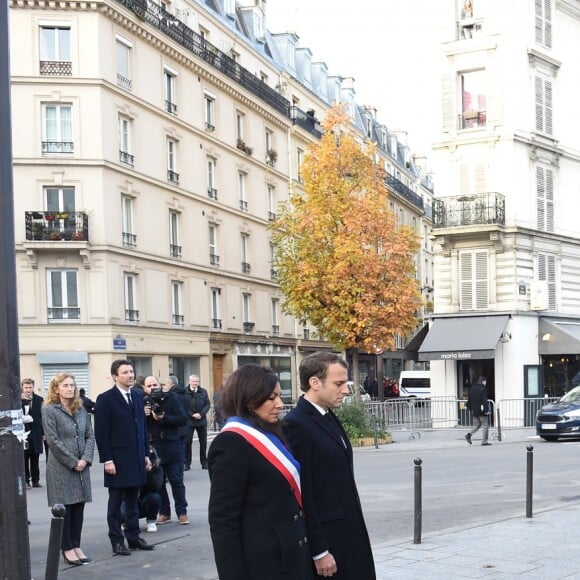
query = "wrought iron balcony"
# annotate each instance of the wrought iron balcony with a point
(275, 330)
(212, 193)
(129, 240)
(172, 177)
(58, 147)
(271, 216)
(246, 267)
(467, 210)
(124, 82)
(214, 259)
(56, 225)
(248, 326)
(243, 205)
(174, 251)
(126, 158)
(395, 184)
(216, 323)
(55, 68)
(306, 120)
(306, 332)
(131, 315)
(63, 314)
(177, 319)
(170, 107)
(209, 127)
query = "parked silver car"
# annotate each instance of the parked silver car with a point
(364, 396)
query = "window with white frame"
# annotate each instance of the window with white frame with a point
(123, 50)
(473, 99)
(543, 22)
(55, 50)
(59, 199)
(242, 191)
(244, 245)
(129, 237)
(62, 296)
(176, 303)
(269, 140)
(209, 106)
(169, 82)
(543, 102)
(216, 321)
(214, 258)
(299, 160)
(273, 271)
(131, 307)
(547, 273)
(125, 155)
(240, 121)
(271, 193)
(57, 128)
(174, 244)
(172, 175)
(545, 198)
(246, 312)
(212, 191)
(474, 279)
(275, 308)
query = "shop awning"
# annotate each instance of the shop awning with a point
(558, 337)
(415, 343)
(463, 338)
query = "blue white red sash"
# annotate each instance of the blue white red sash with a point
(272, 449)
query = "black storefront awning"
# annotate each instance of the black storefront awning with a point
(463, 338)
(558, 337)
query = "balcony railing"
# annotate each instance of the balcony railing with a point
(124, 82)
(131, 315)
(174, 251)
(129, 240)
(275, 330)
(212, 193)
(248, 326)
(471, 120)
(158, 17)
(63, 313)
(126, 158)
(306, 333)
(55, 226)
(404, 191)
(172, 176)
(243, 205)
(170, 107)
(216, 323)
(271, 216)
(214, 259)
(246, 267)
(58, 147)
(467, 210)
(209, 127)
(55, 68)
(177, 319)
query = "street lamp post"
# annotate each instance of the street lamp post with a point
(14, 544)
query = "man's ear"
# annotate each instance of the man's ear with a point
(314, 383)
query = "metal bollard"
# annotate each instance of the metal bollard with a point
(529, 480)
(376, 431)
(498, 419)
(418, 500)
(54, 540)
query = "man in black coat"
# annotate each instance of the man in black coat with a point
(32, 419)
(123, 443)
(165, 417)
(197, 408)
(337, 534)
(477, 402)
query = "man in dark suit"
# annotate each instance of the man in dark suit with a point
(123, 444)
(477, 402)
(32, 419)
(197, 409)
(337, 533)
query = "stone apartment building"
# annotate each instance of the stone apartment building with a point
(152, 144)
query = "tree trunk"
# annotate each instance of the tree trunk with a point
(355, 375)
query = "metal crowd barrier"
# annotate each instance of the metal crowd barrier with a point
(516, 413)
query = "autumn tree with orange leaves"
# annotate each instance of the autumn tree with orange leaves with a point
(342, 261)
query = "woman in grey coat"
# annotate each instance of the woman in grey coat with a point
(71, 444)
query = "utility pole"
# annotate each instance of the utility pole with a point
(14, 543)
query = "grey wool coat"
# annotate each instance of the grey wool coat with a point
(69, 438)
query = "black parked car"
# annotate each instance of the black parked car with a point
(560, 419)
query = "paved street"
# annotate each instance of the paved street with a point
(461, 537)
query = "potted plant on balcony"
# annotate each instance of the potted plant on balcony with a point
(271, 157)
(55, 235)
(78, 236)
(38, 230)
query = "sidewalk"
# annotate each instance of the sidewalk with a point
(540, 547)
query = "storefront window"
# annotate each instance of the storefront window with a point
(281, 365)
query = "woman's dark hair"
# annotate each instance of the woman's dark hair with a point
(248, 387)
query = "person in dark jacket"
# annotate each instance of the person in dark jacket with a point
(478, 404)
(255, 506)
(337, 534)
(32, 419)
(197, 408)
(172, 384)
(88, 404)
(123, 444)
(165, 416)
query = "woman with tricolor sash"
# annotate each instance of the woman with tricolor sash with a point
(255, 506)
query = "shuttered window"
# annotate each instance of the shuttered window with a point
(543, 98)
(545, 199)
(79, 371)
(547, 273)
(474, 280)
(543, 22)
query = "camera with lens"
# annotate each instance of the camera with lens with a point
(155, 401)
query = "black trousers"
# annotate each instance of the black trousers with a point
(31, 469)
(73, 526)
(118, 495)
(202, 435)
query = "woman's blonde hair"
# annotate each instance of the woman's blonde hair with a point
(52, 397)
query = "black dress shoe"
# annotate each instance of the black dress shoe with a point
(36, 484)
(121, 550)
(140, 544)
(85, 560)
(204, 465)
(76, 562)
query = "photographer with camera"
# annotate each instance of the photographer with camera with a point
(164, 419)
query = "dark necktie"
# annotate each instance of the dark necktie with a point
(129, 401)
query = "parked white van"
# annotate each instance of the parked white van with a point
(415, 384)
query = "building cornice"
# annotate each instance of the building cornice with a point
(570, 7)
